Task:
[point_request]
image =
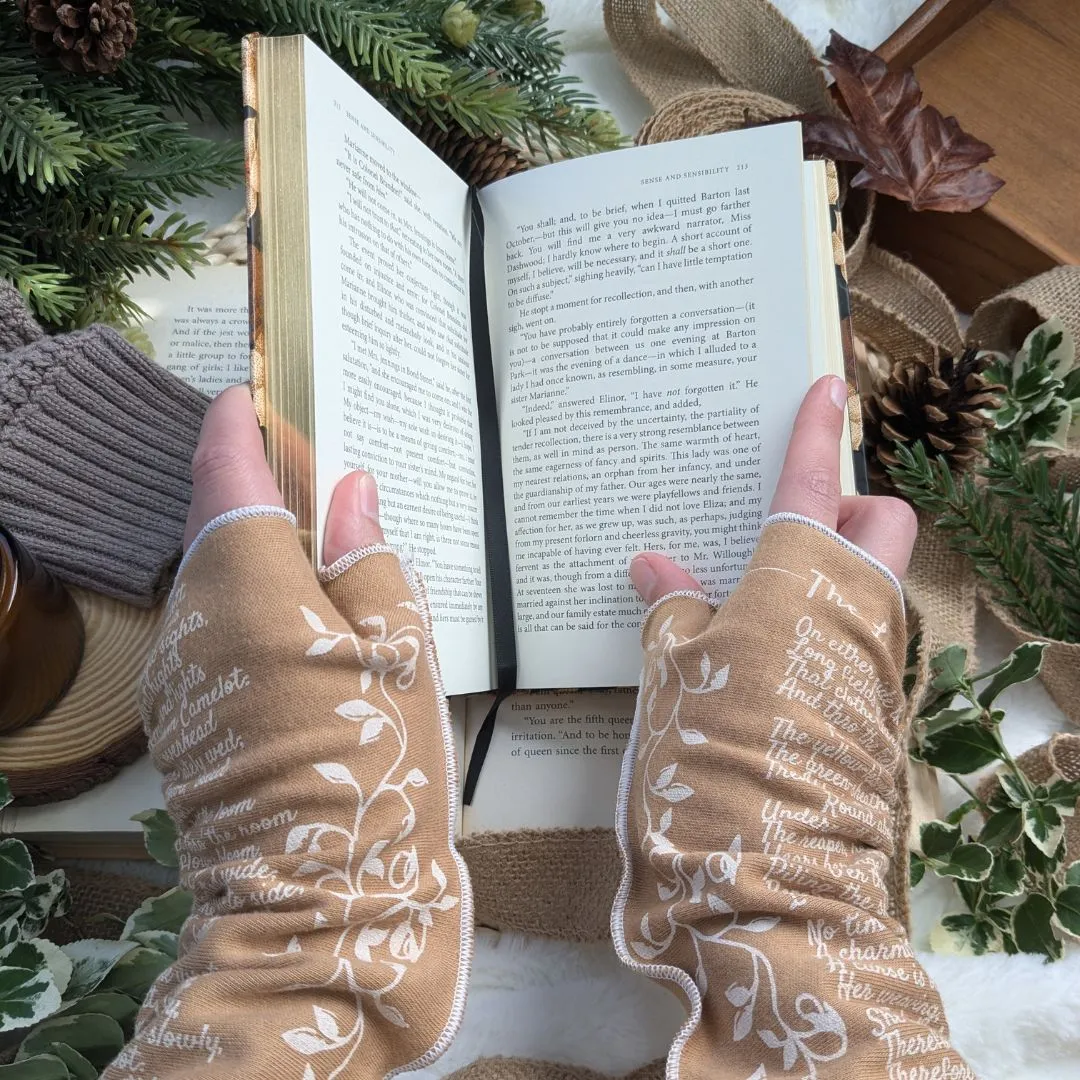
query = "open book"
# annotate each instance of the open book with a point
(576, 363)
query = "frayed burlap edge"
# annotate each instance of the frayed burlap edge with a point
(557, 883)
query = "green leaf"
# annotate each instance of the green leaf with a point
(1043, 826)
(165, 912)
(1064, 795)
(1072, 875)
(119, 1006)
(27, 995)
(5, 792)
(96, 1036)
(159, 836)
(962, 749)
(92, 960)
(1013, 788)
(47, 898)
(1024, 664)
(937, 839)
(42, 1067)
(1007, 876)
(16, 866)
(917, 868)
(1067, 909)
(136, 972)
(1032, 929)
(954, 817)
(969, 862)
(164, 941)
(949, 667)
(78, 1067)
(965, 935)
(949, 718)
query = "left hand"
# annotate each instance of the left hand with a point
(809, 485)
(229, 471)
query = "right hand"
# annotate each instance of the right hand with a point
(809, 485)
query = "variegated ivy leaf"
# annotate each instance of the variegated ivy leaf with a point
(136, 972)
(5, 792)
(42, 1067)
(159, 836)
(120, 1007)
(27, 993)
(47, 898)
(1043, 826)
(165, 912)
(97, 1037)
(164, 941)
(16, 866)
(92, 960)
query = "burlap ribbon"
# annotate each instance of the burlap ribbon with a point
(734, 63)
(739, 62)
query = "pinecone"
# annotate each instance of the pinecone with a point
(86, 36)
(939, 404)
(477, 159)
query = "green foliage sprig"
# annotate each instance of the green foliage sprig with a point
(72, 1007)
(1010, 872)
(1020, 530)
(86, 161)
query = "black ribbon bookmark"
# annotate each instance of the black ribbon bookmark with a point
(500, 583)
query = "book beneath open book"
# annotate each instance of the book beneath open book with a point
(576, 363)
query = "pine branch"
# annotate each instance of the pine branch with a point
(46, 287)
(164, 35)
(183, 88)
(982, 533)
(1052, 512)
(116, 243)
(40, 145)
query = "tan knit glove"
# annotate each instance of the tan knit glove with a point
(758, 816)
(309, 767)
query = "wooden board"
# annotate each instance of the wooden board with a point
(1009, 70)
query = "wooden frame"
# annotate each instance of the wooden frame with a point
(1007, 70)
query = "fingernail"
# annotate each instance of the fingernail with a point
(838, 392)
(369, 496)
(643, 576)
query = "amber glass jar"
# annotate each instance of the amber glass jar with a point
(41, 636)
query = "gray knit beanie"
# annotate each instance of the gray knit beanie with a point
(95, 455)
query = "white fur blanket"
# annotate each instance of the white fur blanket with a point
(1014, 1018)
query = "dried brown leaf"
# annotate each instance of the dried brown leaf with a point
(906, 149)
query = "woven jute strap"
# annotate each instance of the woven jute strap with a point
(736, 43)
(502, 1068)
(899, 311)
(1004, 321)
(557, 883)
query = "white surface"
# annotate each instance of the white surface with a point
(1013, 1017)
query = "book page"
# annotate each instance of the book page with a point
(393, 371)
(554, 760)
(649, 322)
(198, 326)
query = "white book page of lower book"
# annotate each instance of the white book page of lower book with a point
(554, 760)
(198, 326)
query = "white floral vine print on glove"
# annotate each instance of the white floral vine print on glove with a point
(697, 890)
(373, 956)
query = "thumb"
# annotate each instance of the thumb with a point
(655, 576)
(353, 521)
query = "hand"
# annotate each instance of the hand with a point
(229, 471)
(809, 485)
